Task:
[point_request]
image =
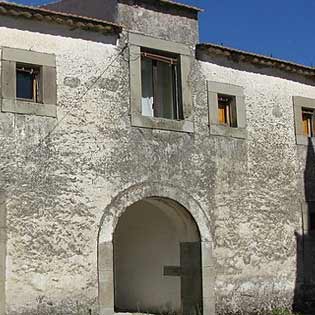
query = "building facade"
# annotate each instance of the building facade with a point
(142, 171)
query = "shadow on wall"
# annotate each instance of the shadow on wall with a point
(304, 295)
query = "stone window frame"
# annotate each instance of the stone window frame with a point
(185, 56)
(214, 88)
(298, 103)
(119, 204)
(10, 57)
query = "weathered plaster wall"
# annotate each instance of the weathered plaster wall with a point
(258, 193)
(165, 26)
(3, 247)
(52, 216)
(57, 192)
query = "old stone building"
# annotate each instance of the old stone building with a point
(142, 171)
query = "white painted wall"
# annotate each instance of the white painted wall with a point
(260, 202)
(43, 265)
(53, 225)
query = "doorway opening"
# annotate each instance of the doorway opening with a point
(157, 259)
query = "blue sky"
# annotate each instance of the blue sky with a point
(279, 28)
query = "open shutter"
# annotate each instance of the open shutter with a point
(8, 79)
(49, 85)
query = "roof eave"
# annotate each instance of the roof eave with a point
(256, 59)
(189, 7)
(74, 21)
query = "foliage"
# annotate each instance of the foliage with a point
(282, 311)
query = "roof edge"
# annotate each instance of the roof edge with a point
(186, 6)
(166, 6)
(255, 59)
(74, 21)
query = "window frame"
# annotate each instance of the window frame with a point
(301, 103)
(154, 58)
(237, 93)
(310, 119)
(34, 71)
(228, 109)
(46, 63)
(185, 59)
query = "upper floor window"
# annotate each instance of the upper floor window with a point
(304, 115)
(227, 116)
(308, 122)
(160, 87)
(28, 81)
(226, 111)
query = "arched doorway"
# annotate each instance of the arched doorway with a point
(157, 259)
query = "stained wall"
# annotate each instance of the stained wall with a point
(59, 175)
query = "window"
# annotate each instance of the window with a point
(308, 122)
(160, 81)
(226, 110)
(304, 114)
(28, 82)
(160, 85)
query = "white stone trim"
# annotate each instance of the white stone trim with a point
(48, 84)
(136, 41)
(298, 103)
(215, 88)
(108, 225)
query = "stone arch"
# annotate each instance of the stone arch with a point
(109, 222)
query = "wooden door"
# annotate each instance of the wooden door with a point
(191, 282)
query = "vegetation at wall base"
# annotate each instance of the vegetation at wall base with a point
(275, 311)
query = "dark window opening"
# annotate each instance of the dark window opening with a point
(308, 122)
(227, 110)
(27, 83)
(161, 86)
